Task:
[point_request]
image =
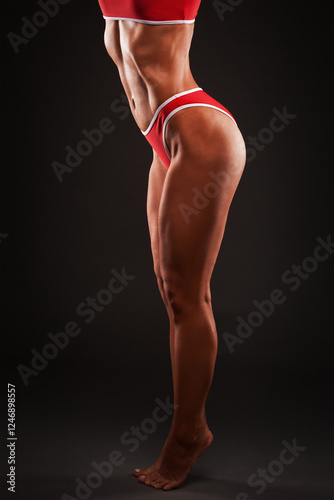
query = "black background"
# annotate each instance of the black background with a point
(64, 238)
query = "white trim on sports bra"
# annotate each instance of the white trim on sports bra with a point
(144, 21)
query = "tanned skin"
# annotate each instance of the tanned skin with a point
(153, 64)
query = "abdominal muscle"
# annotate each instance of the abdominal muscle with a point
(153, 63)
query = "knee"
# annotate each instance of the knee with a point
(176, 299)
(161, 288)
(184, 297)
(160, 282)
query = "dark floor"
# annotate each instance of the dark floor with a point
(250, 416)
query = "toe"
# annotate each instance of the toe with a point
(143, 472)
(149, 482)
(167, 487)
(151, 479)
(171, 485)
(156, 480)
(160, 484)
(138, 472)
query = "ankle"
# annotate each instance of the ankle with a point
(189, 435)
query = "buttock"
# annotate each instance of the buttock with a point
(156, 131)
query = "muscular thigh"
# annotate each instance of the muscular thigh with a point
(208, 157)
(156, 181)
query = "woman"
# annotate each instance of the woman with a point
(198, 159)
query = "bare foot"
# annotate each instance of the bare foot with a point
(176, 459)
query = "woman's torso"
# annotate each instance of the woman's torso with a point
(153, 62)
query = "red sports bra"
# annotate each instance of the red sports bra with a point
(151, 11)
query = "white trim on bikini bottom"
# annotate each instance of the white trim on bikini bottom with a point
(180, 94)
(192, 105)
(144, 21)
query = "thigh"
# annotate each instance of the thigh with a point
(156, 181)
(208, 157)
